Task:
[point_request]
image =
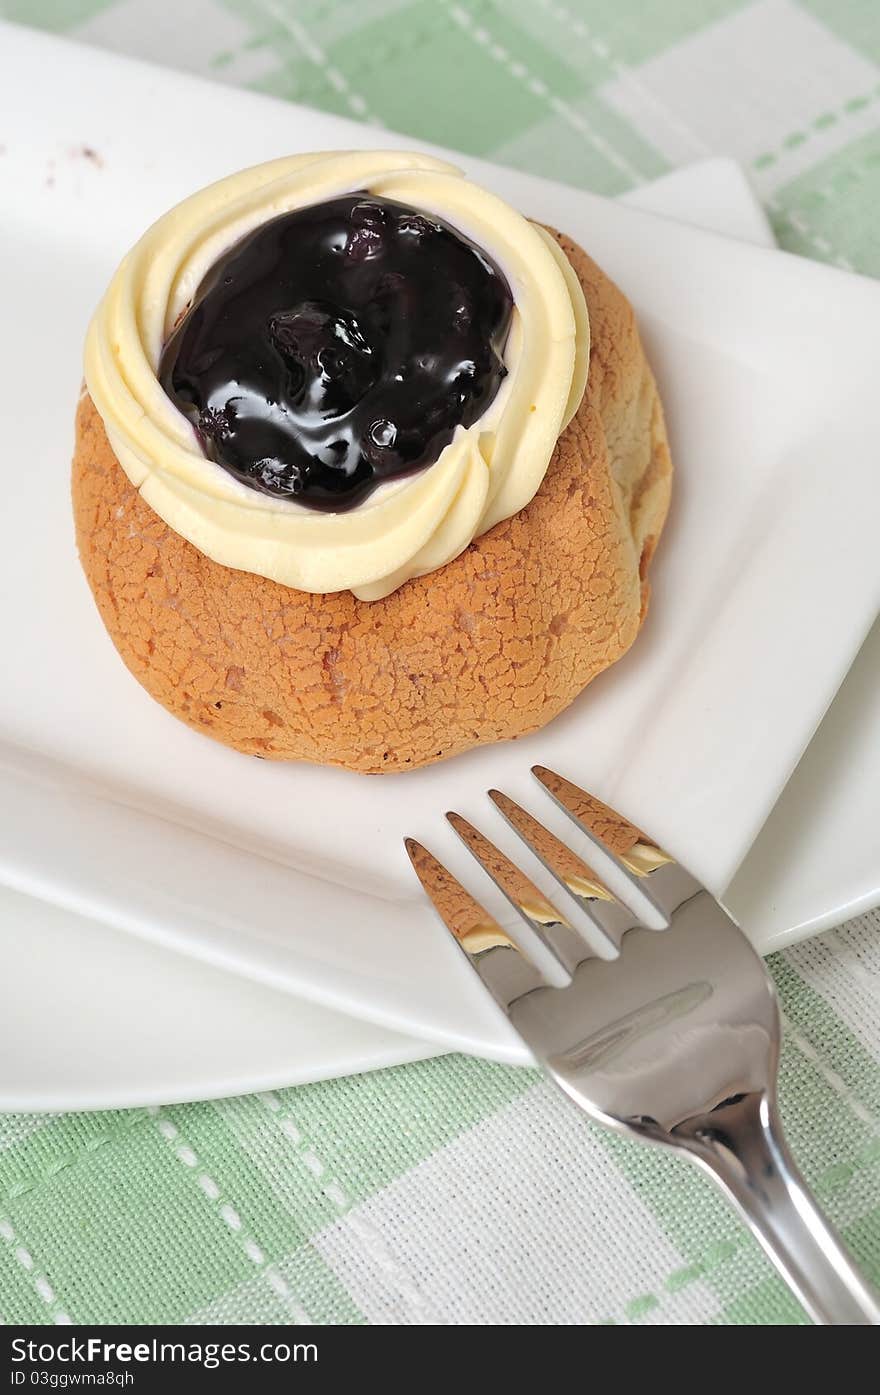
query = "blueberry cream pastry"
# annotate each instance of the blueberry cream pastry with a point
(369, 468)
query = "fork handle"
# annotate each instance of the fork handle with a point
(742, 1146)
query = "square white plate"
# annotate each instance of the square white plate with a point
(95, 985)
(766, 583)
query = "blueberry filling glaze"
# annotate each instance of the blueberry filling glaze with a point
(339, 346)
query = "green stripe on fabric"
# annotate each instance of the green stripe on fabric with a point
(828, 1034)
(857, 22)
(768, 1304)
(457, 81)
(306, 1273)
(19, 1300)
(33, 1157)
(221, 1158)
(572, 31)
(620, 160)
(608, 32)
(369, 1129)
(830, 212)
(863, 1238)
(15, 1128)
(149, 1217)
(121, 1235)
(699, 1225)
(56, 15)
(327, 1299)
(280, 1158)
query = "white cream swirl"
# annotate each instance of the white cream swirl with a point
(406, 528)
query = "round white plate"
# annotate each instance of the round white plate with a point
(94, 1019)
(91, 1018)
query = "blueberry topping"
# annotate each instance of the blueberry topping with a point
(339, 346)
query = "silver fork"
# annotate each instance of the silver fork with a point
(670, 1036)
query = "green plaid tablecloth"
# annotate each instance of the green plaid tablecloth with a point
(454, 1191)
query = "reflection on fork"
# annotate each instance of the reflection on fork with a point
(671, 1036)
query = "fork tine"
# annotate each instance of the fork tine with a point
(611, 918)
(501, 965)
(547, 923)
(651, 871)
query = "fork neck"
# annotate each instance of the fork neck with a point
(740, 1143)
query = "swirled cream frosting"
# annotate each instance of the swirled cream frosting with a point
(488, 471)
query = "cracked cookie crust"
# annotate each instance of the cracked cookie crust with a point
(490, 647)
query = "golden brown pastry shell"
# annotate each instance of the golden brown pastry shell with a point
(488, 648)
